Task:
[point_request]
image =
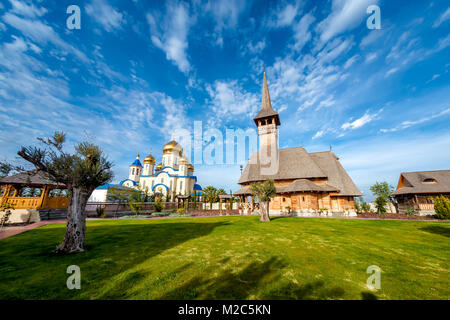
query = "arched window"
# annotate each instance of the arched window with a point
(153, 183)
(181, 185)
(132, 171)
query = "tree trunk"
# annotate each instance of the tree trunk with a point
(76, 221)
(264, 211)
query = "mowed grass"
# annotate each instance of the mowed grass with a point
(232, 258)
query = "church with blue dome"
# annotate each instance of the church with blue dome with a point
(174, 175)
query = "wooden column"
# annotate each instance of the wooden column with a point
(220, 206)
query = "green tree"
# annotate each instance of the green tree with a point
(442, 207)
(382, 191)
(136, 201)
(263, 192)
(82, 172)
(211, 195)
(118, 195)
(5, 169)
(232, 200)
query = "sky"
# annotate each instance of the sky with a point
(137, 71)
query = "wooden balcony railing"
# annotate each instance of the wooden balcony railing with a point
(24, 202)
(426, 206)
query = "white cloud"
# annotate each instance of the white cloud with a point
(285, 16)
(372, 37)
(170, 34)
(345, 15)
(229, 99)
(391, 71)
(371, 56)
(225, 14)
(434, 78)
(444, 17)
(351, 61)
(41, 33)
(326, 103)
(104, 14)
(407, 124)
(301, 31)
(258, 47)
(360, 122)
(318, 134)
(27, 10)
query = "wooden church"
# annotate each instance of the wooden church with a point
(306, 183)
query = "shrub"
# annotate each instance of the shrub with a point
(181, 210)
(100, 212)
(158, 205)
(365, 207)
(160, 214)
(380, 203)
(410, 211)
(442, 207)
(181, 215)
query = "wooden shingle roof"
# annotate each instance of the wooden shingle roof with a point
(423, 182)
(33, 177)
(297, 164)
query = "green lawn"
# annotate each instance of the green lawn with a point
(232, 258)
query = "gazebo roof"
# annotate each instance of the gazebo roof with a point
(32, 177)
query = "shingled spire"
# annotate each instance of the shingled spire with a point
(266, 111)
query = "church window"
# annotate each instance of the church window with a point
(181, 185)
(132, 171)
(176, 160)
(303, 198)
(162, 180)
(171, 184)
(153, 183)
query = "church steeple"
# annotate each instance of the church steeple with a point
(266, 114)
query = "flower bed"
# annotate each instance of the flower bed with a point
(374, 215)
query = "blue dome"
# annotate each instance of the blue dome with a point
(197, 187)
(136, 163)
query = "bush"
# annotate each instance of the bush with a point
(442, 207)
(181, 215)
(158, 205)
(410, 211)
(100, 212)
(160, 214)
(362, 206)
(139, 216)
(181, 210)
(380, 203)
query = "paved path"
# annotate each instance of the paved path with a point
(11, 231)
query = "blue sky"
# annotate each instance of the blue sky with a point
(138, 70)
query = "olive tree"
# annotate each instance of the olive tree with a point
(263, 192)
(81, 171)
